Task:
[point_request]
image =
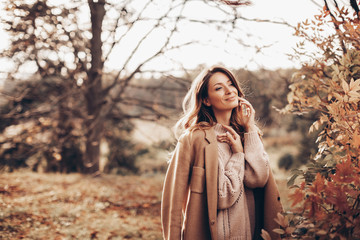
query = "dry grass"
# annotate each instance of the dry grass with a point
(54, 206)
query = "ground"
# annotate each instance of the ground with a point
(74, 206)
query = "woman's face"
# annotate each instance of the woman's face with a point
(222, 94)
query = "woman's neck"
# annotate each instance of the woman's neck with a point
(223, 117)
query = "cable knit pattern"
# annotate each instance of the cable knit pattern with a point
(257, 161)
(237, 173)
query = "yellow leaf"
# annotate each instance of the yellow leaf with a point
(282, 220)
(311, 129)
(336, 69)
(265, 235)
(314, 126)
(345, 86)
(355, 85)
(338, 96)
(354, 95)
(278, 231)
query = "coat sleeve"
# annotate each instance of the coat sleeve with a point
(175, 190)
(256, 161)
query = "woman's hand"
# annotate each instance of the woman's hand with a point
(231, 138)
(247, 113)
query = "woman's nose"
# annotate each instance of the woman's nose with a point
(227, 90)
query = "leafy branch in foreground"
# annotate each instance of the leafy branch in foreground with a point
(326, 200)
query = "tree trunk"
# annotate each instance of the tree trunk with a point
(93, 94)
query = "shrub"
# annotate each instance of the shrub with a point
(326, 202)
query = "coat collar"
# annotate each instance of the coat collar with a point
(211, 173)
(210, 136)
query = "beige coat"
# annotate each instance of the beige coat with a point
(189, 200)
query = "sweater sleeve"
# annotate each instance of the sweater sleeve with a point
(256, 161)
(175, 190)
(231, 181)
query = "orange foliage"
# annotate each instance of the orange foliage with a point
(298, 195)
(328, 198)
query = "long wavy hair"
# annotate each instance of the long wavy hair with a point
(199, 116)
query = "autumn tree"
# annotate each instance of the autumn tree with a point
(326, 200)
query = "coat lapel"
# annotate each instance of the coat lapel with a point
(211, 173)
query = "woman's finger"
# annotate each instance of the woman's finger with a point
(247, 106)
(230, 136)
(244, 109)
(231, 130)
(225, 136)
(224, 140)
(245, 102)
(222, 135)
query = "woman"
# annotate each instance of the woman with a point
(218, 184)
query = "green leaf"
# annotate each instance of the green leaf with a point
(292, 180)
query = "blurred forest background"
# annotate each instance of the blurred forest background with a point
(84, 144)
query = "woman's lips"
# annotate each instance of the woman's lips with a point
(230, 99)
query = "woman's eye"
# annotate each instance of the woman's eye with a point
(218, 88)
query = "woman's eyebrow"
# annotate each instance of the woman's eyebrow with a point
(221, 83)
(218, 83)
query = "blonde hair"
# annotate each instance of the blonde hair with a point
(196, 114)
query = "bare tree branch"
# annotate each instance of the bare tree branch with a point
(113, 32)
(336, 26)
(236, 2)
(125, 82)
(134, 51)
(317, 4)
(265, 21)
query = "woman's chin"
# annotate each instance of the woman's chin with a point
(230, 106)
(234, 104)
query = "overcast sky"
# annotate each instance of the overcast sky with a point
(279, 37)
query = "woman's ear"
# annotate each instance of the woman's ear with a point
(206, 102)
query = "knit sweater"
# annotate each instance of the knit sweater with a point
(238, 174)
